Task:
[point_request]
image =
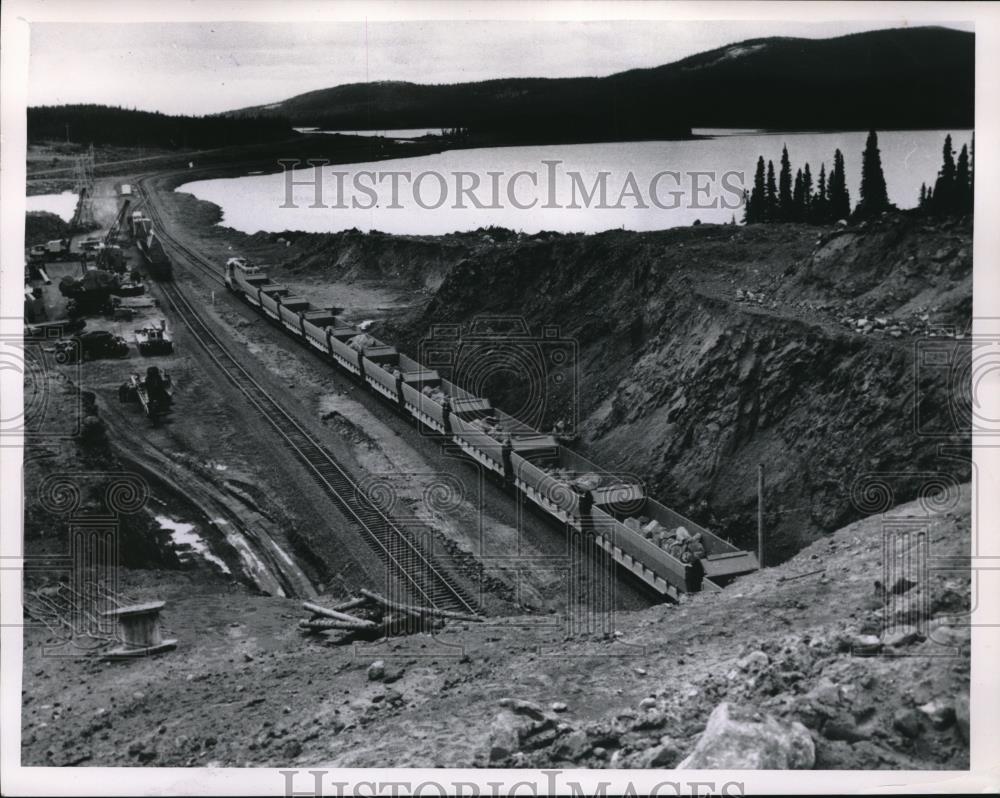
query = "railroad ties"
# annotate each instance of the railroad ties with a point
(408, 563)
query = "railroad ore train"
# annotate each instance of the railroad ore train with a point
(670, 553)
(149, 246)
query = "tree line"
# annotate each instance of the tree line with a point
(783, 199)
(952, 192)
(800, 200)
(102, 124)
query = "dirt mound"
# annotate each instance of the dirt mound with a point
(42, 226)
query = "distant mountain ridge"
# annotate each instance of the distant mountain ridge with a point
(897, 78)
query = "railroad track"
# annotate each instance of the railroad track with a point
(405, 558)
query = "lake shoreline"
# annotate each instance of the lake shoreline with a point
(648, 185)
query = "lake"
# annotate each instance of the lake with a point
(62, 205)
(394, 133)
(647, 185)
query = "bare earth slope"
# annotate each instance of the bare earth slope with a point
(246, 687)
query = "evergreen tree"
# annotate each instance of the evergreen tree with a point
(874, 197)
(747, 212)
(785, 203)
(820, 205)
(757, 203)
(922, 203)
(972, 170)
(799, 197)
(963, 183)
(944, 188)
(840, 198)
(771, 202)
(807, 191)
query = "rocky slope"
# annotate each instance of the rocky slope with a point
(818, 663)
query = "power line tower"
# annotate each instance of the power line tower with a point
(83, 178)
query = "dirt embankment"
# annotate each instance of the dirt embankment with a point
(701, 352)
(876, 678)
(41, 226)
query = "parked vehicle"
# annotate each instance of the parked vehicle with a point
(154, 340)
(92, 345)
(57, 249)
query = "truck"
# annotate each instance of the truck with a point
(57, 249)
(91, 345)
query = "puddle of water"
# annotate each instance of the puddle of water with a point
(252, 565)
(62, 205)
(187, 542)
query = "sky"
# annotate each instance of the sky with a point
(206, 67)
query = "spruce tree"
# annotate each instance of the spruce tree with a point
(840, 198)
(820, 206)
(944, 188)
(771, 203)
(798, 197)
(874, 197)
(972, 170)
(963, 184)
(758, 197)
(785, 205)
(922, 203)
(807, 191)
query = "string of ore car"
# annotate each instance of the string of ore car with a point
(668, 552)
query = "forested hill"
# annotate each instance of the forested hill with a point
(101, 124)
(899, 78)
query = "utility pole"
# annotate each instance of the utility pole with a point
(760, 514)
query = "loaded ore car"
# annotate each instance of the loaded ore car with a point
(669, 553)
(157, 263)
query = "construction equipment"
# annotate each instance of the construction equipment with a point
(154, 392)
(91, 345)
(154, 340)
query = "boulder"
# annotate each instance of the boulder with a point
(843, 727)
(755, 660)
(664, 755)
(376, 671)
(737, 738)
(504, 739)
(907, 722)
(573, 746)
(900, 636)
(940, 713)
(528, 708)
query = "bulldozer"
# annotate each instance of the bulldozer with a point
(154, 392)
